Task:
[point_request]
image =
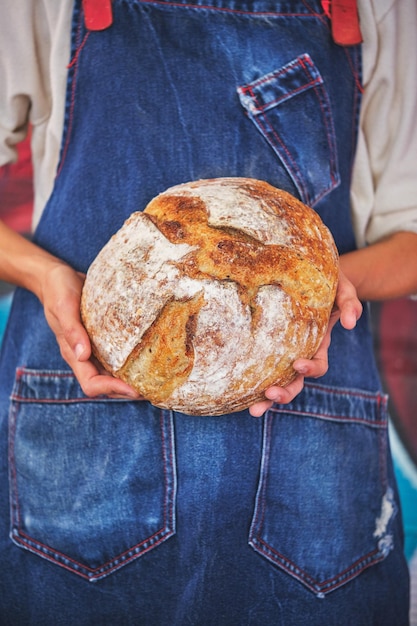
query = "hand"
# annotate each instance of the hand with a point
(61, 296)
(348, 309)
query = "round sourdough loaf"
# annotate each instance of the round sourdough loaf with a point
(207, 297)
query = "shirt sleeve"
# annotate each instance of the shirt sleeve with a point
(24, 94)
(384, 187)
(35, 43)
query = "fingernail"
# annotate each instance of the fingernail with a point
(78, 350)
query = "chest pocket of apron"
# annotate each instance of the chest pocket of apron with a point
(290, 108)
(92, 483)
(324, 507)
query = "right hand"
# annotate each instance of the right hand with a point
(61, 297)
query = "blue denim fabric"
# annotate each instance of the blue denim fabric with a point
(121, 513)
(116, 513)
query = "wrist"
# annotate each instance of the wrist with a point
(38, 271)
(24, 264)
(385, 269)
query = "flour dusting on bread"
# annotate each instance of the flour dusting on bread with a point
(207, 297)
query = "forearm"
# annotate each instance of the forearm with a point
(23, 263)
(384, 270)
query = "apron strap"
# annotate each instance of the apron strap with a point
(97, 14)
(345, 21)
(342, 13)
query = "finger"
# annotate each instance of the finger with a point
(95, 384)
(118, 396)
(280, 395)
(72, 330)
(347, 302)
(350, 313)
(315, 367)
(74, 345)
(62, 310)
(259, 408)
(284, 395)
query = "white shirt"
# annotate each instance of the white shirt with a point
(34, 54)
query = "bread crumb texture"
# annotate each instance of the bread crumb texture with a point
(209, 295)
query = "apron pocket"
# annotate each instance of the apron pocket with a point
(92, 481)
(324, 507)
(282, 105)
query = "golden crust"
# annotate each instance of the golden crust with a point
(206, 298)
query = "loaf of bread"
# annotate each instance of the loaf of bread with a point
(208, 296)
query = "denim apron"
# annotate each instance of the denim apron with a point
(122, 513)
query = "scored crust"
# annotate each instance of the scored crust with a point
(207, 297)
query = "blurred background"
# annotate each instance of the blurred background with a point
(395, 331)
